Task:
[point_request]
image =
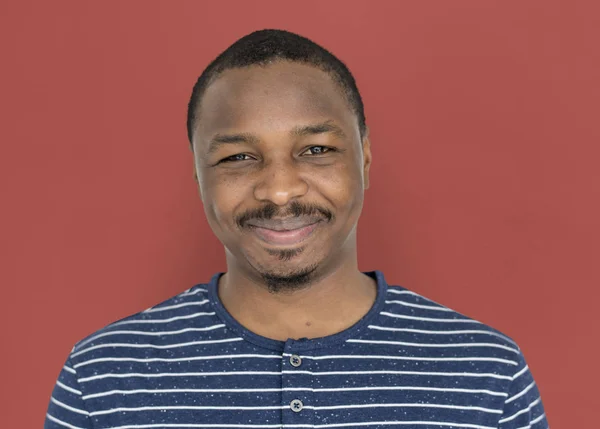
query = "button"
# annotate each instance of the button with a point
(295, 360)
(296, 405)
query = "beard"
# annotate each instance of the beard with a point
(285, 277)
(290, 281)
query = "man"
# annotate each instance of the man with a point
(293, 334)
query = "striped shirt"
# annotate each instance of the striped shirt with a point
(186, 363)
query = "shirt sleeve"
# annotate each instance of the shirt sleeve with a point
(66, 408)
(523, 407)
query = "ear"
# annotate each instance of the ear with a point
(367, 159)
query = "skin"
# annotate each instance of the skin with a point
(275, 136)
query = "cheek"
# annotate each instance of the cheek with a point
(343, 187)
(344, 178)
(220, 197)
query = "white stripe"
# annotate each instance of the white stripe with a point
(193, 292)
(417, 388)
(405, 292)
(534, 421)
(181, 359)
(423, 331)
(176, 374)
(428, 319)
(520, 373)
(298, 389)
(401, 343)
(426, 307)
(156, 346)
(154, 333)
(194, 425)
(194, 358)
(452, 407)
(171, 319)
(156, 391)
(523, 411)
(190, 407)
(325, 373)
(279, 426)
(409, 292)
(71, 370)
(61, 423)
(67, 407)
(280, 407)
(426, 359)
(389, 423)
(424, 373)
(67, 388)
(521, 393)
(172, 307)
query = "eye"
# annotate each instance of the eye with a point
(236, 158)
(318, 150)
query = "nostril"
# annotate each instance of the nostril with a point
(280, 190)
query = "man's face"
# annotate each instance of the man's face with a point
(281, 169)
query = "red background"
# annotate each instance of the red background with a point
(485, 192)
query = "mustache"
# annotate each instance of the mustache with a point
(295, 209)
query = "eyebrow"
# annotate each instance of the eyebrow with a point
(322, 128)
(220, 140)
(223, 139)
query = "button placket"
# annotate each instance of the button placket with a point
(297, 397)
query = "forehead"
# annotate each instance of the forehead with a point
(276, 97)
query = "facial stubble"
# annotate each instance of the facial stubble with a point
(298, 278)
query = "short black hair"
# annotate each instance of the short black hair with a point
(265, 46)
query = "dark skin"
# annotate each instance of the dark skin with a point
(272, 136)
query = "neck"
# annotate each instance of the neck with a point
(333, 302)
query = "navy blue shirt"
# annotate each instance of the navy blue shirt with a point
(186, 363)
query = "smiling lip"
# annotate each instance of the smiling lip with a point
(284, 237)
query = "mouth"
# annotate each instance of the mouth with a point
(280, 234)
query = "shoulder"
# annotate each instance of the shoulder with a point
(415, 327)
(164, 319)
(420, 314)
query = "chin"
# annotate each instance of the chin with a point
(286, 269)
(290, 279)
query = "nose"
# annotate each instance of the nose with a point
(280, 182)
